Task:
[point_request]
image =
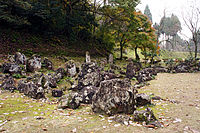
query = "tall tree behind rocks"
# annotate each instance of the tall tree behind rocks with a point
(168, 28)
(192, 22)
(147, 12)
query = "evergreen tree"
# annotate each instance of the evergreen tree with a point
(147, 12)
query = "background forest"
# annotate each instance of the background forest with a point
(76, 26)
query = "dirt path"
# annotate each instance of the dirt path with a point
(185, 89)
(180, 117)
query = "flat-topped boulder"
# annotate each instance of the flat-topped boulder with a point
(114, 96)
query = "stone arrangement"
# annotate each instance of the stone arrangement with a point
(107, 92)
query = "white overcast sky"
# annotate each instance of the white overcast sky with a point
(177, 7)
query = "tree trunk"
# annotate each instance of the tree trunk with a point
(104, 2)
(145, 56)
(195, 44)
(122, 43)
(195, 56)
(121, 51)
(136, 54)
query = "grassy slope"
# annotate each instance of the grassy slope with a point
(12, 41)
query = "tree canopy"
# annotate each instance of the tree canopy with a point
(170, 25)
(114, 22)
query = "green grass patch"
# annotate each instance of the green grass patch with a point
(15, 106)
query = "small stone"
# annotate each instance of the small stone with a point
(103, 119)
(150, 126)
(87, 56)
(110, 60)
(25, 118)
(74, 130)
(21, 111)
(6, 113)
(101, 116)
(126, 123)
(14, 122)
(177, 120)
(44, 129)
(117, 125)
(109, 121)
(39, 117)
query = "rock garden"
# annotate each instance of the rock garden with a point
(98, 88)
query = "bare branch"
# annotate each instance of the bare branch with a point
(192, 23)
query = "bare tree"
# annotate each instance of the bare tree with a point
(192, 21)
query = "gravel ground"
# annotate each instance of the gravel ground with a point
(179, 111)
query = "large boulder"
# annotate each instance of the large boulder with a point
(111, 59)
(37, 79)
(143, 99)
(38, 84)
(122, 119)
(20, 58)
(34, 63)
(114, 96)
(8, 84)
(11, 58)
(182, 68)
(108, 76)
(74, 99)
(87, 93)
(90, 75)
(60, 73)
(130, 70)
(146, 75)
(103, 62)
(160, 69)
(198, 65)
(31, 89)
(2, 76)
(50, 80)
(57, 93)
(71, 100)
(148, 117)
(13, 68)
(46, 81)
(46, 63)
(71, 68)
